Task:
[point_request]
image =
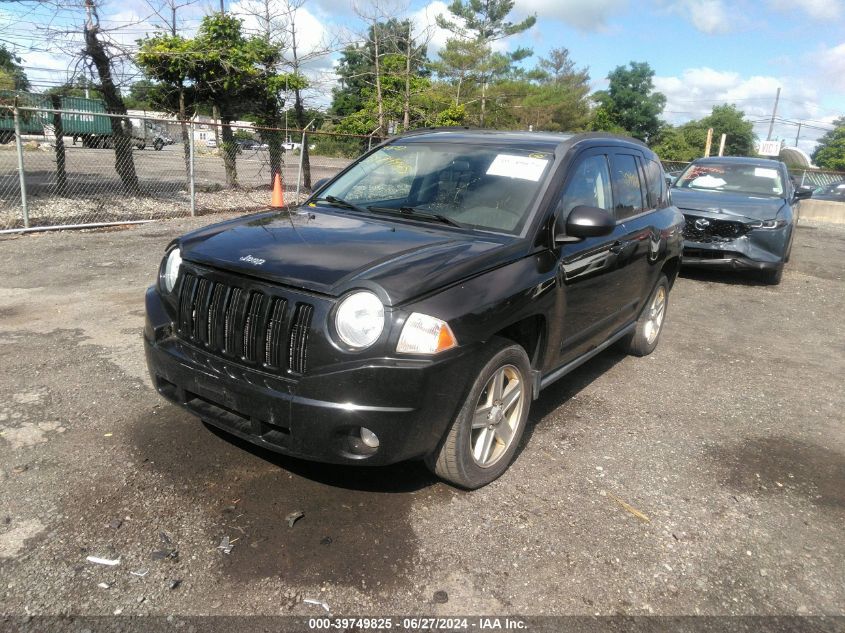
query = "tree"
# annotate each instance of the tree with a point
(631, 102)
(383, 79)
(226, 68)
(143, 95)
(730, 120)
(81, 86)
(830, 152)
(12, 74)
(687, 142)
(485, 21)
(121, 127)
(559, 100)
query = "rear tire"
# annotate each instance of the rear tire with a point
(484, 436)
(650, 324)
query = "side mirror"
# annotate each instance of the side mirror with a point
(584, 222)
(802, 193)
(319, 184)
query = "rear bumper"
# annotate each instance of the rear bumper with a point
(408, 404)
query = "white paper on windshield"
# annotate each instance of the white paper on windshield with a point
(708, 182)
(523, 167)
(763, 172)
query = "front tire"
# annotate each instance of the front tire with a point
(484, 436)
(650, 324)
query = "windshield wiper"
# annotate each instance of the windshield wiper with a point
(340, 202)
(420, 215)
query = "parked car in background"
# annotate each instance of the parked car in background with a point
(247, 144)
(419, 301)
(834, 191)
(740, 214)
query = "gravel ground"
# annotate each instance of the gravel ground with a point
(707, 478)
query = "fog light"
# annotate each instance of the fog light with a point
(369, 438)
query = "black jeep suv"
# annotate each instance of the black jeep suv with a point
(420, 300)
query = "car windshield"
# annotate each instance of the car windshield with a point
(733, 177)
(470, 185)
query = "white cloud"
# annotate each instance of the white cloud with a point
(817, 9)
(831, 63)
(708, 16)
(585, 15)
(425, 25)
(693, 93)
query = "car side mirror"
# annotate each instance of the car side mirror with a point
(802, 193)
(317, 185)
(584, 222)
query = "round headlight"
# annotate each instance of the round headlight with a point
(359, 319)
(171, 269)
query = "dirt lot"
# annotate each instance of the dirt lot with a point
(729, 439)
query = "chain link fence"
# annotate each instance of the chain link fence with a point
(78, 167)
(63, 168)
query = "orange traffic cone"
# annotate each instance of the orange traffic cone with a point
(278, 199)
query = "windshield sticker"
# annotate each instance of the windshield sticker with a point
(522, 167)
(708, 182)
(762, 172)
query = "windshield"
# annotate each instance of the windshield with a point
(733, 177)
(471, 185)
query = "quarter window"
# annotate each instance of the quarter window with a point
(589, 186)
(626, 182)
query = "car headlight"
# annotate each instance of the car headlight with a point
(359, 319)
(769, 224)
(423, 334)
(171, 269)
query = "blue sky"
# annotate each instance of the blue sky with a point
(704, 52)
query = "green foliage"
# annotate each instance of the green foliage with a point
(143, 95)
(556, 100)
(630, 102)
(77, 88)
(469, 57)
(483, 20)
(356, 70)
(830, 152)
(451, 116)
(603, 121)
(687, 142)
(12, 74)
(220, 65)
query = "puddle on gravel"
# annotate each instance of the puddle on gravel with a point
(356, 529)
(758, 465)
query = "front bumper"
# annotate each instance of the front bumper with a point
(756, 251)
(408, 404)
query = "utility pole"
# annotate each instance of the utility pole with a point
(774, 114)
(798, 134)
(709, 142)
(722, 144)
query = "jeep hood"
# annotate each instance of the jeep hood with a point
(745, 207)
(331, 253)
